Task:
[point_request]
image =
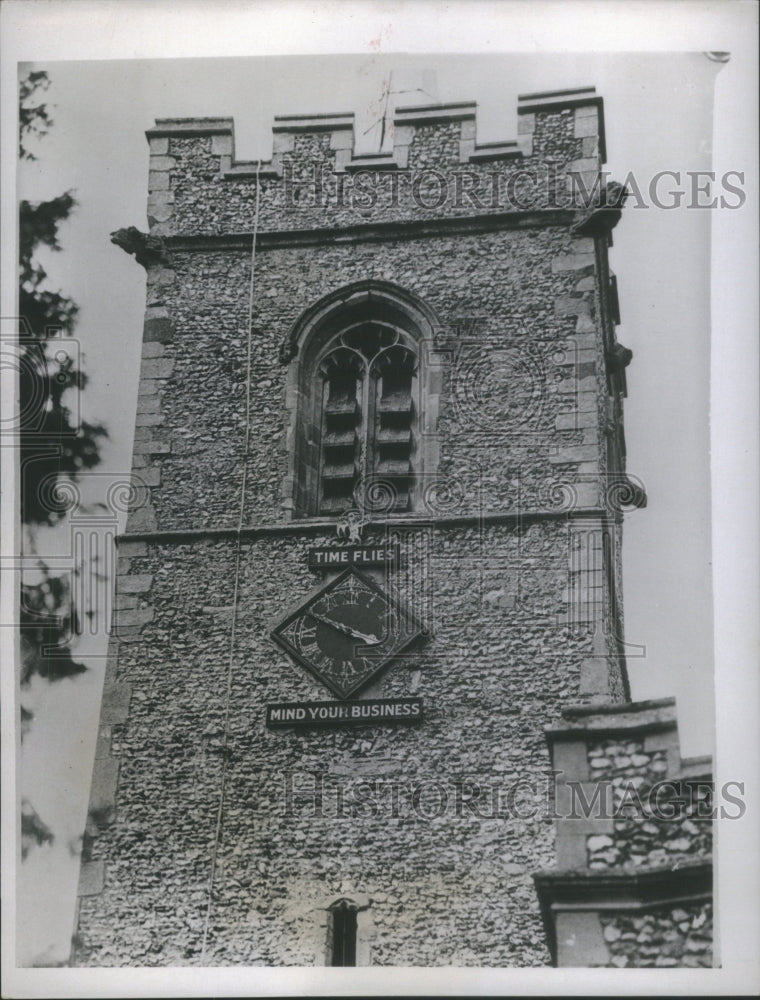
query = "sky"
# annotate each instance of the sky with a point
(658, 116)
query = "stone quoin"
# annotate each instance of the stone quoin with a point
(408, 359)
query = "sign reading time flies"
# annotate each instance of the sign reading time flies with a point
(331, 557)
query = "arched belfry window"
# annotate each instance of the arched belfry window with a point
(363, 389)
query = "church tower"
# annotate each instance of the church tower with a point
(368, 635)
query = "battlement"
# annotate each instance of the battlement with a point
(435, 166)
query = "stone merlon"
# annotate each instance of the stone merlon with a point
(559, 100)
(410, 124)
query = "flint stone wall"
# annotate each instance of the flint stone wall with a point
(438, 887)
(193, 192)
(657, 820)
(664, 939)
(519, 355)
(633, 880)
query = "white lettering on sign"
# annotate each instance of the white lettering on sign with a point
(374, 711)
(329, 712)
(287, 714)
(346, 712)
(367, 556)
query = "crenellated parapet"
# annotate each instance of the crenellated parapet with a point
(473, 214)
(434, 168)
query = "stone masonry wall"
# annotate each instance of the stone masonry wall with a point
(515, 385)
(658, 820)
(633, 882)
(310, 182)
(518, 308)
(667, 938)
(438, 885)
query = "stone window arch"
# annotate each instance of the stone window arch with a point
(362, 400)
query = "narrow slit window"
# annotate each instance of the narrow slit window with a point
(343, 947)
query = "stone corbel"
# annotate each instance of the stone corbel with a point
(617, 359)
(604, 214)
(147, 249)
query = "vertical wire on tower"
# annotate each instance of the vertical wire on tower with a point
(236, 578)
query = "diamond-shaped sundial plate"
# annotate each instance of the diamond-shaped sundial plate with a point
(347, 632)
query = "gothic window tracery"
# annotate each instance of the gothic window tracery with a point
(361, 370)
(367, 426)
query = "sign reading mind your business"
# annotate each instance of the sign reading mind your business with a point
(344, 713)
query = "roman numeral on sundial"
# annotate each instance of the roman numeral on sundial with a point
(291, 633)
